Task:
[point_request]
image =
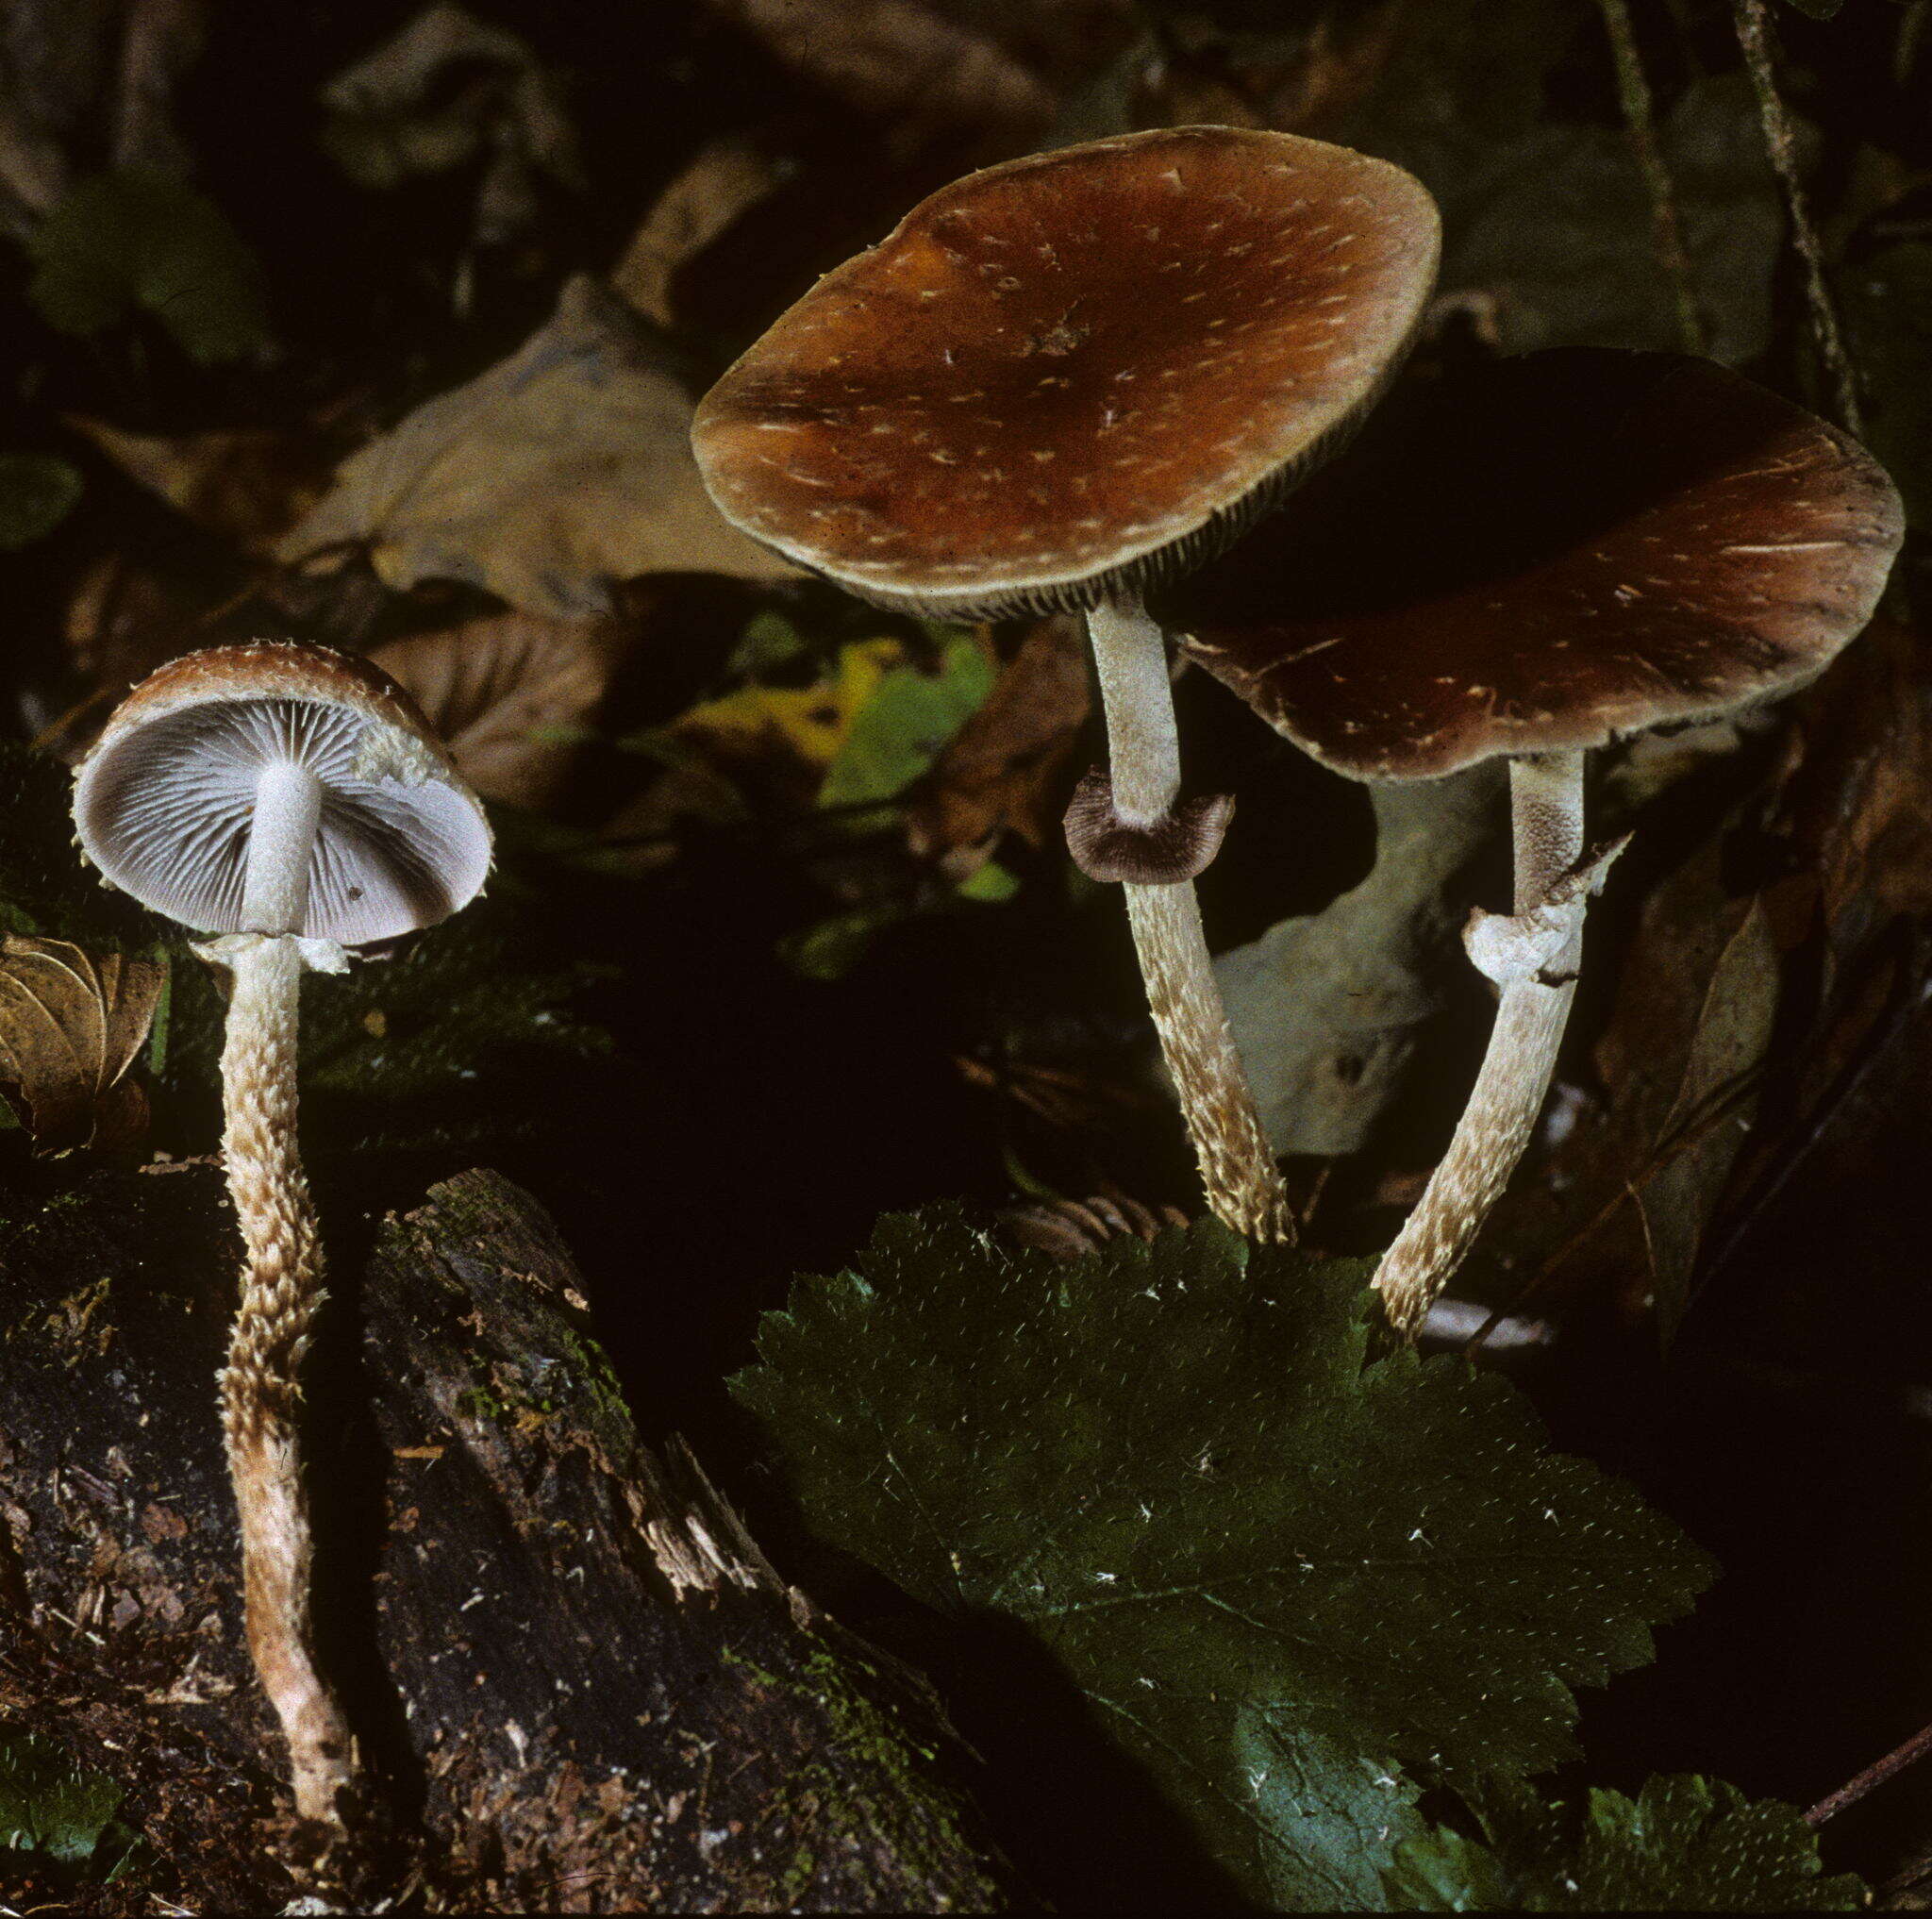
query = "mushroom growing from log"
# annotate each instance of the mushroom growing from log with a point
(1541, 557)
(291, 802)
(1057, 382)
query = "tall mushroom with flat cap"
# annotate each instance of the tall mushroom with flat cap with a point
(291, 802)
(1056, 382)
(1541, 557)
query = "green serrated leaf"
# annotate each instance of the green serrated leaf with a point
(36, 491)
(902, 728)
(1334, 1818)
(144, 242)
(1174, 1466)
(1685, 1844)
(50, 1806)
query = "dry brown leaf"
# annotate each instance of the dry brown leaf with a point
(248, 487)
(1304, 78)
(1002, 770)
(724, 178)
(123, 618)
(508, 691)
(995, 69)
(1856, 800)
(447, 90)
(561, 472)
(71, 1023)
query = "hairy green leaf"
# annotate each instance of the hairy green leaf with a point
(1176, 1466)
(1685, 1844)
(48, 1804)
(1333, 1819)
(135, 240)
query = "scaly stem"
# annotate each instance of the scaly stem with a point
(1238, 1168)
(281, 1289)
(1546, 805)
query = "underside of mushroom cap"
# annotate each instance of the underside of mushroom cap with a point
(1067, 376)
(1545, 555)
(165, 799)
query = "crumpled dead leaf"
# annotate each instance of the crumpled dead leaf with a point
(1301, 74)
(248, 486)
(1705, 1129)
(124, 617)
(68, 68)
(994, 70)
(508, 693)
(1855, 800)
(70, 1025)
(1632, 1182)
(1002, 771)
(1327, 1008)
(721, 181)
(563, 471)
(446, 89)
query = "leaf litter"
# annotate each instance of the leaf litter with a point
(72, 1024)
(550, 480)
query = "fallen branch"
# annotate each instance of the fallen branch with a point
(581, 1685)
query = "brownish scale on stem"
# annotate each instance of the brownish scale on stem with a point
(261, 1397)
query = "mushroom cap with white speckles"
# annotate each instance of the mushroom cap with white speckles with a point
(1546, 554)
(1073, 372)
(163, 800)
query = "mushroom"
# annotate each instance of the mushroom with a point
(291, 802)
(1541, 557)
(1057, 382)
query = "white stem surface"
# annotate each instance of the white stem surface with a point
(1143, 741)
(281, 843)
(281, 1289)
(1237, 1164)
(1546, 808)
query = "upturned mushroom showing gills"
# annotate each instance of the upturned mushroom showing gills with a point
(1536, 559)
(1054, 383)
(291, 802)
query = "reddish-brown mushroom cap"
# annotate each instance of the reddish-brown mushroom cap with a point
(1060, 376)
(1543, 556)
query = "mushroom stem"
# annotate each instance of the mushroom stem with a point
(281, 1289)
(1237, 1170)
(281, 840)
(1546, 809)
(1143, 741)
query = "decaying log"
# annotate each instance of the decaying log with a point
(582, 1684)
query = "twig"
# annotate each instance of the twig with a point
(1633, 91)
(1873, 1777)
(1753, 36)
